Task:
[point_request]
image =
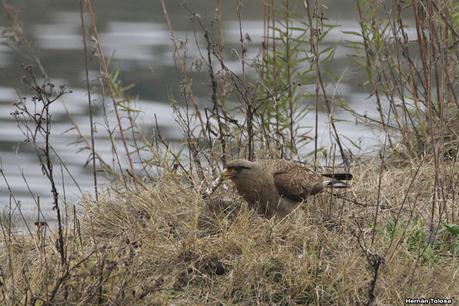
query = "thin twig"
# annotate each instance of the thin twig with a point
(91, 120)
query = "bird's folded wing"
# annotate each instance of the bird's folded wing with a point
(297, 183)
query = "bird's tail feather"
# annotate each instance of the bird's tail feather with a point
(339, 176)
(333, 183)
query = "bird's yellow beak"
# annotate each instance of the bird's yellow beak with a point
(228, 173)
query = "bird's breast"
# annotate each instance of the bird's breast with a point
(260, 192)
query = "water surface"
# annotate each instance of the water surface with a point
(134, 35)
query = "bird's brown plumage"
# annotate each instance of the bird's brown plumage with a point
(274, 187)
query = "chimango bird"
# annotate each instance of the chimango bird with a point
(276, 187)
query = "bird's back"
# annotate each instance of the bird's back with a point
(295, 170)
(276, 165)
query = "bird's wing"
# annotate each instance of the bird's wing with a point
(296, 183)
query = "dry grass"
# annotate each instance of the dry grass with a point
(163, 246)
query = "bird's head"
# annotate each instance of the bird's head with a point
(238, 168)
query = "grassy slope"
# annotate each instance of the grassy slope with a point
(165, 245)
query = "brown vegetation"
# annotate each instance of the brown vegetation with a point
(153, 248)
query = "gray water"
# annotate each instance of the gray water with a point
(135, 35)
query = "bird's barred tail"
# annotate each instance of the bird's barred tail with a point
(332, 183)
(338, 176)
